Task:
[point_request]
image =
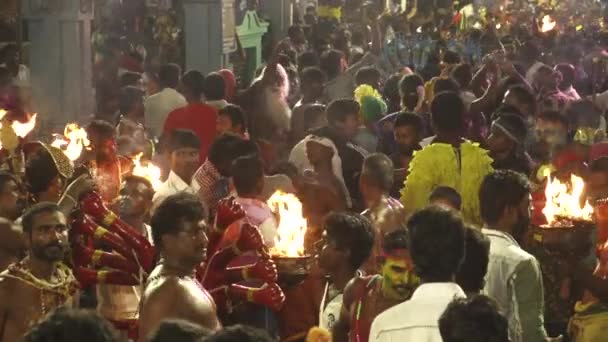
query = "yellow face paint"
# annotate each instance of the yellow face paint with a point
(398, 278)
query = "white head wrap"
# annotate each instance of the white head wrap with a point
(336, 162)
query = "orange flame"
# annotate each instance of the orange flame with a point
(72, 143)
(23, 129)
(149, 171)
(548, 24)
(564, 200)
(292, 225)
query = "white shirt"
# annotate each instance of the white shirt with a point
(158, 107)
(416, 320)
(173, 185)
(511, 267)
(330, 311)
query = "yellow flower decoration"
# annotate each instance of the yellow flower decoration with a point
(365, 90)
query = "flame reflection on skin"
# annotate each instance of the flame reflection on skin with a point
(73, 142)
(292, 225)
(564, 200)
(148, 171)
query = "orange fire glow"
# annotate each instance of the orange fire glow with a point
(21, 129)
(73, 141)
(564, 200)
(548, 24)
(148, 171)
(292, 225)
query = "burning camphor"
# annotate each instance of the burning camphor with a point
(148, 171)
(292, 225)
(548, 24)
(73, 142)
(564, 201)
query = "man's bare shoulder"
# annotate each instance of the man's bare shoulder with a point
(169, 289)
(7, 288)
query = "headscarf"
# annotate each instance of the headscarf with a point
(336, 162)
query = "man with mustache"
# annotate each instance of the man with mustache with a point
(40, 283)
(172, 291)
(120, 304)
(367, 297)
(514, 277)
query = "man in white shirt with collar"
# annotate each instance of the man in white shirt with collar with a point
(159, 105)
(183, 155)
(437, 244)
(514, 277)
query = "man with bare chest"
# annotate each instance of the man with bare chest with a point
(367, 297)
(172, 292)
(35, 286)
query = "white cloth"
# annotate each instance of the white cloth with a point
(416, 320)
(217, 104)
(173, 185)
(531, 73)
(601, 101)
(506, 259)
(299, 158)
(158, 107)
(330, 312)
(118, 302)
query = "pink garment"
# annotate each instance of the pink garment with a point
(257, 211)
(229, 84)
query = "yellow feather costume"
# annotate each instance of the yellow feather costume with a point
(437, 165)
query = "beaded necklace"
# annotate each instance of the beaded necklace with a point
(52, 294)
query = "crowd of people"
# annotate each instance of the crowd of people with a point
(419, 185)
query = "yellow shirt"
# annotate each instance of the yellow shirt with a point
(441, 164)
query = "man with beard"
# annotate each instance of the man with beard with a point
(367, 297)
(408, 133)
(514, 277)
(120, 304)
(171, 291)
(505, 143)
(40, 283)
(184, 148)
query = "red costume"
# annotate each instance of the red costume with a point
(132, 257)
(221, 276)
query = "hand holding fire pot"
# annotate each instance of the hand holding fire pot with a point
(269, 295)
(228, 212)
(264, 269)
(250, 239)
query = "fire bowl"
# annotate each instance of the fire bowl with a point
(565, 236)
(292, 270)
